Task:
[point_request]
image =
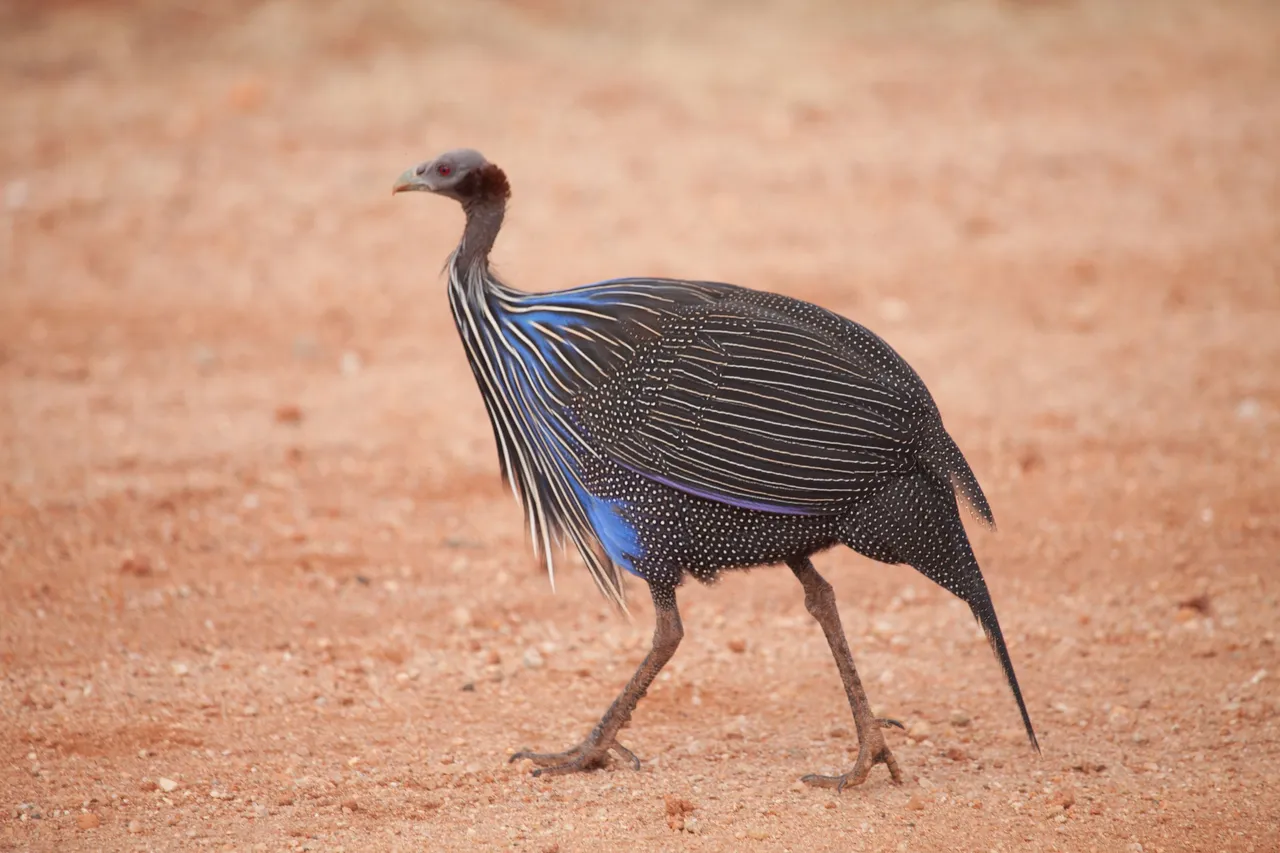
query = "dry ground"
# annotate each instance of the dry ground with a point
(254, 544)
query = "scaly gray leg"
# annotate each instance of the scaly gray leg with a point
(820, 601)
(594, 751)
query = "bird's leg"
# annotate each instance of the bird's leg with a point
(594, 751)
(820, 601)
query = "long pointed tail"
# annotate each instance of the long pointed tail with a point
(916, 520)
(979, 601)
(953, 566)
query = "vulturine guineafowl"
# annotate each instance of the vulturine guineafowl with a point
(669, 427)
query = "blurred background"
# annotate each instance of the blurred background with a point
(253, 539)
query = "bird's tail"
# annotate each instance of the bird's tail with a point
(979, 601)
(943, 459)
(916, 521)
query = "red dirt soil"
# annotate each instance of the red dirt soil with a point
(263, 588)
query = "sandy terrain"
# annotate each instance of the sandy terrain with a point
(262, 588)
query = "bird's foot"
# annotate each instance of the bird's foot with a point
(872, 750)
(591, 754)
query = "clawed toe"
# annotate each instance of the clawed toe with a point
(816, 780)
(546, 759)
(627, 754)
(580, 763)
(582, 758)
(869, 755)
(890, 723)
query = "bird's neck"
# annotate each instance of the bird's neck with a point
(484, 219)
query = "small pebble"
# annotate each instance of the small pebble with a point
(959, 718)
(533, 658)
(920, 731)
(204, 357)
(134, 827)
(351, 363)
(288, 413)
(305, 347)
(15, 195)
(132, 564)
(737, 645)
(167, 785)
(246, 96)
(894, 309)
(915, 803)
(88, 820)
(1119, 717)
(677, 805)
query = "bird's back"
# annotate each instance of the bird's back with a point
(761, 400)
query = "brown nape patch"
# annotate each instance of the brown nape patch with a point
(486, 183)
(493, 183)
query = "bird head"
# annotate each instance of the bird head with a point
(463, 175)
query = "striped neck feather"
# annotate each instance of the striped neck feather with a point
(539, 448)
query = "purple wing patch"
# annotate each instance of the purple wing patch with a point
(758, 506)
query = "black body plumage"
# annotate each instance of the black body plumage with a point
(670, 427)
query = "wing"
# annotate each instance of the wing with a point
(760, 401)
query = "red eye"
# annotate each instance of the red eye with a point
(444, 171)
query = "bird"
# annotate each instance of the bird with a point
(670, 428)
